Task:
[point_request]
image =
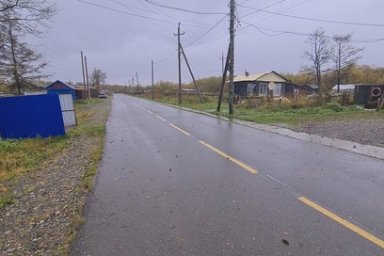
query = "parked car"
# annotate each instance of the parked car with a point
(102, 95)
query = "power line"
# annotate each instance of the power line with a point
(282, 32)
(270, 16)
(314, 19)
(129, 6)
(269, 6)
(207, 32)
(162, 13)
(201, 25)
(166, 58)
(182, 9)
(123, 12)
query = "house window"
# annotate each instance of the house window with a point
(277, 90)
(263, 89)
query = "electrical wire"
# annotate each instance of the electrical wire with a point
(159, 9)
(314, 19)
(123, 12)
(207, 32)
(264, 8)
(166, 58)
(281, 32)
(194, 41)
(182, 9)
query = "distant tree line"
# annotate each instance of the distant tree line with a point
(353, 74)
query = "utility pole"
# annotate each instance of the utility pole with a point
(137, 79)
(179, 58)
(153, 80)
(222, 62)
(231, 55)
(87, 77)
(223, 82)
(82, 66)
(190, 71)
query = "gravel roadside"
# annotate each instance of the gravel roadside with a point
(49, 201)
(363, 131)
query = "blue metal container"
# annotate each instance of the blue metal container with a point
(31, 116)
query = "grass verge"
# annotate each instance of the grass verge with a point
(282, 114)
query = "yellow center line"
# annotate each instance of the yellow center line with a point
(159, 117)
(361, 232)
(180, 130)
(228, 157)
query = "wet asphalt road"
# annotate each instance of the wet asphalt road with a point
(162, 190)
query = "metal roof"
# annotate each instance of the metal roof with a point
(345, 87)
(262, 77)
(59, 82)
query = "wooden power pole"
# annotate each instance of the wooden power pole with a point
(223, 82)
(179, 59)
(153, 80)
(87, 77)
(82, 66)
(231, 55)
(137, 79)
(190, 71)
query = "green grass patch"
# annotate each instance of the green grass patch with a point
(6, 199)
(21, 156)
(96, 155)
(288, 114)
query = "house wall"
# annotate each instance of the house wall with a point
(261, 89)
(241, 88)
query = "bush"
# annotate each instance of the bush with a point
(336, 107)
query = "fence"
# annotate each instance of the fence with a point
(31, 116)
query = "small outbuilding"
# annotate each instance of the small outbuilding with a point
(263, 84)
(310, 89)
(368, 94)
(59, 87)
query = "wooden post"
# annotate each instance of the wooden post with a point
(82, 66)
(231, 56)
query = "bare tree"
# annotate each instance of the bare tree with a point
(98, 78)
(319, 55)
(30, 15)
(19, 64)
(344, 55)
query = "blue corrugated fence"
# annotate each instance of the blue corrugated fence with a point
(31, 116)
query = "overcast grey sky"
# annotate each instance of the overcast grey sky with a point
(123, 37)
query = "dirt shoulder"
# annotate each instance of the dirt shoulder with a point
(48, 201)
